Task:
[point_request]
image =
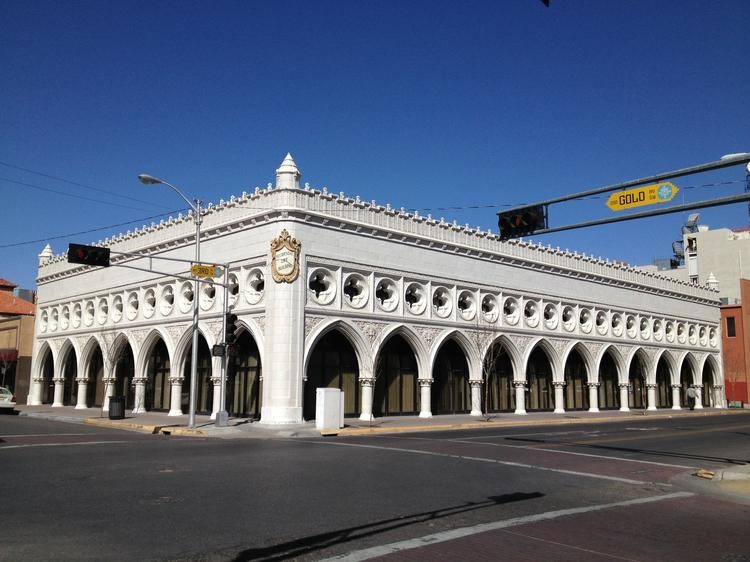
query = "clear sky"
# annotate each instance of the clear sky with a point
(472, 106)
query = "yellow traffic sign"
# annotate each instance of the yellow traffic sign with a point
(647, 195)
(202, 270)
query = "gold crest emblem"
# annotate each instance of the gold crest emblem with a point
(285, 258)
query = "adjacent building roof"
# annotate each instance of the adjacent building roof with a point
(10, 305)
(5, 284)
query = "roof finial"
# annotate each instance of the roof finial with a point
(287, 176)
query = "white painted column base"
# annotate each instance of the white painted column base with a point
(425, 394)
(35, 397)
(58, 401)
(476, 398)
(81, 401)
(109, 391)
(366, 389)
(217, 396)
(651, 388)
(593, 397)
(676, 397)
(139, 406)
(520, 398)
(175, 397)
(280, 415)
(624, 398)
(559, 397)
(719, 398)
(699, 400)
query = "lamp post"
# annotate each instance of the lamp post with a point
(196, 207)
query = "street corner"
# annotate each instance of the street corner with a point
(122, 424)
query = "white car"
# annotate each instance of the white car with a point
(7, 400)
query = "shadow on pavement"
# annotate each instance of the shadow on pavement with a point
(305, 545)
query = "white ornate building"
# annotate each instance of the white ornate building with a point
(407, 314)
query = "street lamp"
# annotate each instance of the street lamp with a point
(196, 207)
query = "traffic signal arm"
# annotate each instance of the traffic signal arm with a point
(88, 255)
(520, 222)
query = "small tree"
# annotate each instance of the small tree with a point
(484, 338)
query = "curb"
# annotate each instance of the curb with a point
(145, 428)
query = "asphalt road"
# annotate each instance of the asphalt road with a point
(613, 491)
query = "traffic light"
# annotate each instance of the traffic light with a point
(88, 255)
(231, 330)
(522, 221)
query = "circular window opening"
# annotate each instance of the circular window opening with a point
(117, 309)
(584, 319)
(511, 311)
(65, 318)
(681, 333)
(386, 295)
(166, 303)
(601, 322)
(256, 286)
(490, 309)
(550, 316)
(617, 328)
(712, 339)
(531, 313)
(88, 316)
(103, 311)
(321, 287)
(53, 320)
(208, 295)
(569, 318)
(77, 315)
(669, 331)
(441, 302)
(356, 291)
(234, 288)
(149, 303)
(630, 326)
(186, 297)
(644, 328)
(133, 305)
(693, 335)
(658, 330)
(43, 321)
(702, 335)
(467, 306)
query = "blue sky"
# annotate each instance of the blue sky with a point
(426, 105)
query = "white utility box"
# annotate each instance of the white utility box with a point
(329, 408)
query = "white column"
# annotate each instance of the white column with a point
(476, 398)
(217, 396)
(719, 398)
(175, 398)
(699, 399)
(35, 398)
(59, 385)
(109, 391)
(624, 397)
(676, 397)
(366, 386)
(139, 407)
(520, 397)
(651, 388)
(559, 397)
(81, 401)
(593, 397)
(425, 394)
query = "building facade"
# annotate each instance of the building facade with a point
(16, 340)
(407, 314)
(736, 347)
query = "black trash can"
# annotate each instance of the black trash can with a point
(117, 407)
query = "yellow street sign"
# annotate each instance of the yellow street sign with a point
(201, 270)
(647, 195)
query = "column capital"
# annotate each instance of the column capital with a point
(676, 385)
(650, 385)
(216, 380)
(475, 383)
(593, 384)
(623, 384)
(59, 380)
(424, 382)
(140, 380)
(558, 384)
(176, 380)
(366, 381)
(519, 383)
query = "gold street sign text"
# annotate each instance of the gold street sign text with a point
(647, 195)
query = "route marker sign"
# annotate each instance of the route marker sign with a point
(203, 270)
(640, 196)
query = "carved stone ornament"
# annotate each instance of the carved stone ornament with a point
(311, 322)
(261, 322)
(427, 335)
(215, 327)
(175, 332)
(285, 258)
(594, 348)
(371, 330)
(139, 336)
(57, 344)
(559, 345)
(520, 342)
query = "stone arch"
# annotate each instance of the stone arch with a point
(253, 327)
(465, 344)
(585, 354)
(420, 353)
(689, 358)
(180, 355)
(674, 373)
(352, 335)
(608, 392)
(67, 346)
(516, 360)
(498, 391)
(549, 351)
(146, 349)
(710, 360)
(639, 353)
(618, 359)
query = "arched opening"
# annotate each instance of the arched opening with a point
(498, 369)
(158, 387)
(686, 381)
(638, 397)
(707, 392)
(204, 395)
(70, 371)
(609, 395)
(244, 371)
(541, 394)
(576, 379)
(663, 389)
(48, 374)
(95, 386)
(450, 386)
(124, 372)
(332, 364)
(396, 374)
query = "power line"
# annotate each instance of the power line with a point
(71, 182)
